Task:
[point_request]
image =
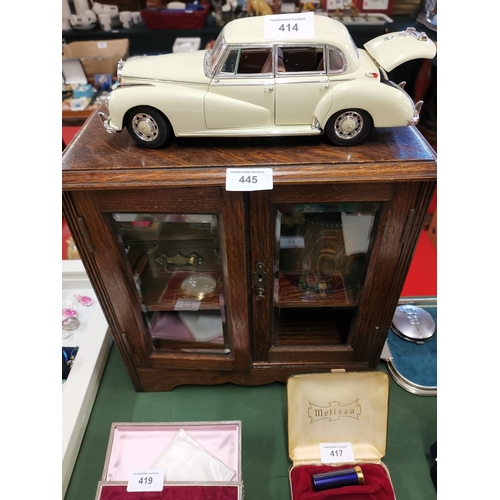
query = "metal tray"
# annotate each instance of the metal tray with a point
(416, 355)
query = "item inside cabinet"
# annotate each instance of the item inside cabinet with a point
(176, 264)
(322, 254)
(188, 327)
(163, 248)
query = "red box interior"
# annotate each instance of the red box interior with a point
(377, 484)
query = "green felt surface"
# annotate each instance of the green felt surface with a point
(263, 413)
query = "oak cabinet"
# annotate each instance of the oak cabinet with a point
(201, 285)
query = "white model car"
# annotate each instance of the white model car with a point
(250, 85)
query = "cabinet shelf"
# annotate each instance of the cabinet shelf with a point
(315, 329)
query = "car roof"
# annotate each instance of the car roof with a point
(251, 30)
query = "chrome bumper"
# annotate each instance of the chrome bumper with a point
(105, 123)
(416, 113)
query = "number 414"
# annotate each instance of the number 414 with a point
(289, 27)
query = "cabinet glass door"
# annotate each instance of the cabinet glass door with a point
(320, 262)
(176, 265)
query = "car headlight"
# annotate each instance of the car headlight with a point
(119, 68)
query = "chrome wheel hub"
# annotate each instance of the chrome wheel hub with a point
(348, 125)
(145, 127)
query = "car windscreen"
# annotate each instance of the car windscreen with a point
(216, 52)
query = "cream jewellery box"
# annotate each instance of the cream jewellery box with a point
(338, 421)
(200, 461)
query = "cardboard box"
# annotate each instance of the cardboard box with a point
(338, 421)
(195, 456)
(98, 56)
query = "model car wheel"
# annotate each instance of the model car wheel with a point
(148, 127)
(349, 127)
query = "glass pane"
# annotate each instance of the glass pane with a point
(176, 265)
(254, 61)
(302, 59)
(320, 267)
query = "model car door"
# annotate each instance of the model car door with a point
(301, 83)
(241, 94)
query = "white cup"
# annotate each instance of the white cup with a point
(66, 11)
(90, 15)
(126, 18)
(105, 22)
(136, 17)
(81, 6)
(99, 8)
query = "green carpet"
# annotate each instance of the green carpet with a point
(262, 410)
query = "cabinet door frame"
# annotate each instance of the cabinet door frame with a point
(397, 220)
(112, 278)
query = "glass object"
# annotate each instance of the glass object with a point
(176, 265)
(321, 257)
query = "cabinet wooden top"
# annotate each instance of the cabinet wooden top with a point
(98, 160)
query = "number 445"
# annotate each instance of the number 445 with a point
(248, 179)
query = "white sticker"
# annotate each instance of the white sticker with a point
(336, 453)
(246, 179)
(289, 26)
(187, 305)
(102, 45)
(335, 4)
(375, 4)
(146, 480)
(292, 242)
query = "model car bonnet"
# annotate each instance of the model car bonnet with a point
(180, 67)
(392, 49)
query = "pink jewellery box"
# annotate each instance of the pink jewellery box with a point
(201, 460)
(337, 423)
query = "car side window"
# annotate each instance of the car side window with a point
(247, 61)
(301, 59)
(255, 61)
(336, 61)
(229, 66)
